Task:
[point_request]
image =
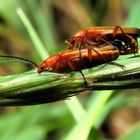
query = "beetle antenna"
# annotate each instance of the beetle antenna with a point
(26, 61)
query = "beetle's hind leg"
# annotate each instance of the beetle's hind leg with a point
(117, 64)
(85, 81)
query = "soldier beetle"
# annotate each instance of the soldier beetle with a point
(118, 36)
(69, 60)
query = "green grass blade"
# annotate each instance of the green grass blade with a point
(82, 129)
(44, 25)
(34, 37)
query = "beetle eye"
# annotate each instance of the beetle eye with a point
(42, 67)
(72, 41)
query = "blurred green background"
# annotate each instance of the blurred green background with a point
(54, 21)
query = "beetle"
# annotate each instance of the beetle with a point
(118, 36)
(69, 60)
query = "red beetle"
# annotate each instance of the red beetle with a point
(118, 36)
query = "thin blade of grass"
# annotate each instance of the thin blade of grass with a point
(44, 26)
(82, 129)
(33, 34)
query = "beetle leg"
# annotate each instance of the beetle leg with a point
(90, 54)
(116, 30)
(85, 82)
(117, 64)
(72, 66)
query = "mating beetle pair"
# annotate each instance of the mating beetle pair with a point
(97, 45)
